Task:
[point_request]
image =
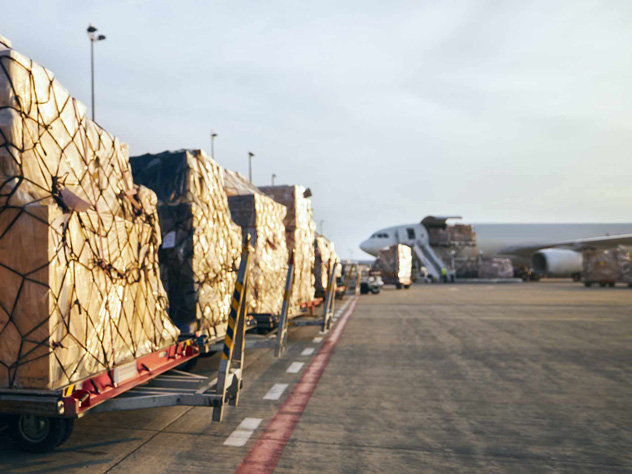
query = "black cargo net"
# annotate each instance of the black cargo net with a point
(262, 218)
(201, 246)
(80, 288)
(300, 233)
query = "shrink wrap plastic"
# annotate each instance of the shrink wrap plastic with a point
(299, 234)
(236, 184)
(496, 268)
(324, 254)
(201, 245)
(80, 289)
(395, 264)
(609, 265)
(457, 234)
(262, 218)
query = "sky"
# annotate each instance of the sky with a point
(499, 111)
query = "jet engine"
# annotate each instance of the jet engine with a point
(557, 262)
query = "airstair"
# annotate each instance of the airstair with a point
(432, 262)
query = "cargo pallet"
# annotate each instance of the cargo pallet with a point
(41, 420)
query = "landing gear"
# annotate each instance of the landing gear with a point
(38, 434)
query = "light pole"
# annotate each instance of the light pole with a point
(273, 176)
(322, 221)
(213, 135)
(93, 39)
(250, 155)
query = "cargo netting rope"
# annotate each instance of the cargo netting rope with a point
(79, 241)
(201, 247)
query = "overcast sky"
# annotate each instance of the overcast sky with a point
(500, 111)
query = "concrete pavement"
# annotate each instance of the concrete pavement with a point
(437, 378)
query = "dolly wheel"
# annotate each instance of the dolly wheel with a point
(38, 434)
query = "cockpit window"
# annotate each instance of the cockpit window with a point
(380, 235)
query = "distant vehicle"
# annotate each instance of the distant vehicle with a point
(371, 281)
(544, 249)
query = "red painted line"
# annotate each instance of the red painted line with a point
(266, 452)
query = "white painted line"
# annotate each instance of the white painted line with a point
(238, 438)
(295, 367)
(249, 424)
(317, 340)
(308, 351)
(244, 431)
(276, 391)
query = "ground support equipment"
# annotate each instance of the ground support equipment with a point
(41, 420)
(325, 320)
(277, 337)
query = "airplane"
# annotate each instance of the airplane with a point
(553, 250)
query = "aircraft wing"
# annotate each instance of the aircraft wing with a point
(525, 250)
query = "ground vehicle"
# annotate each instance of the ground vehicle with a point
(370, 281)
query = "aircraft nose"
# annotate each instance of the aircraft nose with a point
(365, 246)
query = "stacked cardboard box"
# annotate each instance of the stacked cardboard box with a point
(237, 184)
(395, 264)
(299, 235)
(324, 256)
(201, 246)
(262, 218)
(80, 289)
(458, 234)
(495, 268)
(608, 265)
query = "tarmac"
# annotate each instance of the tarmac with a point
(534, 377)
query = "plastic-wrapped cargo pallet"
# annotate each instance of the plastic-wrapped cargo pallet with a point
(324, 254)
(201, 245)
(262, 218)
(495, 268)
(607, 266)
(299, 234)
(80, 288)
(395, 264)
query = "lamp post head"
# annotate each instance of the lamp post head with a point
(250, 154)
(213, 134)
(91, 28)
(100, 37)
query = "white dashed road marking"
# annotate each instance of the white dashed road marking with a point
(276, 391)
(295, 367)
(243, 432)
(307, 351)
(317, 340)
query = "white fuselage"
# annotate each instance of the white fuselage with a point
(491, 239)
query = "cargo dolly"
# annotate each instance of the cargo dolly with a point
(277, 338)
(41, 420)
(341, 291)
(325, 321)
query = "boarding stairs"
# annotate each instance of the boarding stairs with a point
(430, 260)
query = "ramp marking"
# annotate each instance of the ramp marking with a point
(295, 367)
(276, 391)
(243, 432)
(268, 448)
